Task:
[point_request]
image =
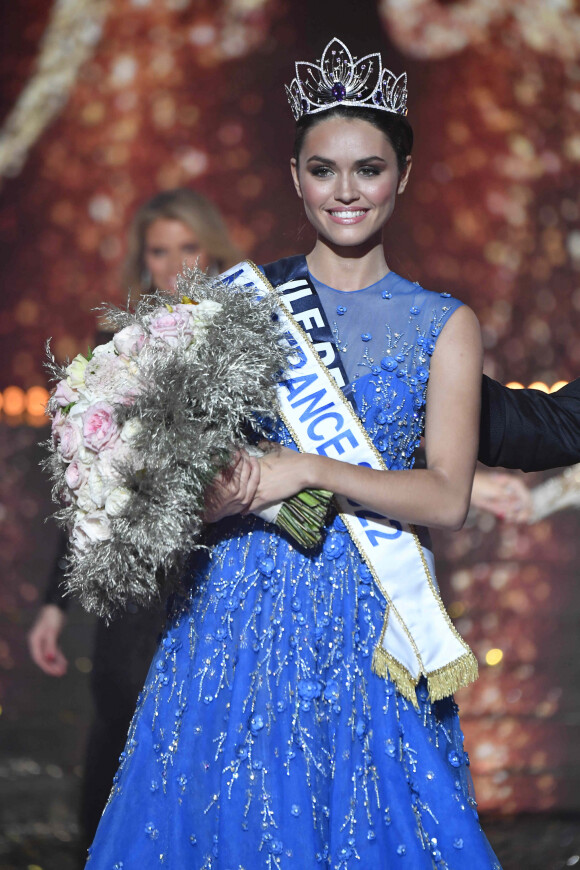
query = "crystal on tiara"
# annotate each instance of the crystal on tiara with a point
(341, 79)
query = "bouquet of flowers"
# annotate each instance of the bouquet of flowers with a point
(141, 426)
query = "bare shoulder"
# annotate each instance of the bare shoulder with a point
(463, 318)
(461, 328)
(459, 347)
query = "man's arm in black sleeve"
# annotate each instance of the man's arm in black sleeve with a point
(54, 593)
(529, 429)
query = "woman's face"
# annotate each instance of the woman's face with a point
(169, 244)
(348, 179)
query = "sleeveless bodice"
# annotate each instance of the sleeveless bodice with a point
(386, 334)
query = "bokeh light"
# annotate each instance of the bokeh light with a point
(14, 401)
(493, 657)
(36, 399)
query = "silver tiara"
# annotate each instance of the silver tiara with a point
(342, 80)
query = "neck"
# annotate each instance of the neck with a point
(347, 268)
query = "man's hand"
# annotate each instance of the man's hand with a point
(504, 495)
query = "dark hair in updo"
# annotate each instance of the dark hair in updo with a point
(395, 127)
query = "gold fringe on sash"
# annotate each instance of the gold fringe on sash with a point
(384, 665)
(441, 683)
(446, 680)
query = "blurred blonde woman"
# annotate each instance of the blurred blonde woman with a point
(174, 228)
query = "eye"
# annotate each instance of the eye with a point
(321, 171)
(156, 252)
(369, 171)
(190, 248)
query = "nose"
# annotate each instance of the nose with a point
(174, 266)
(345, 190)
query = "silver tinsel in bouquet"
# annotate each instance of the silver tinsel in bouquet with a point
(142, 425)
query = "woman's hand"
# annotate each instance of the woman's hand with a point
(43, 640)
(504, 495)
(283, 473)
(233, 490)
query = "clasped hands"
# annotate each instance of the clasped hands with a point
(251, 483)
(504, 495)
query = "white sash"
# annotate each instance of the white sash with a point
(417, 638)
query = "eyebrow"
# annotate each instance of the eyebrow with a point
(374, 159)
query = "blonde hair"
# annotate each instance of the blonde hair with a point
(193, 210)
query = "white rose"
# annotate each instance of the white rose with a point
(109, 348)
(207, 308)
(102, 480)
(76, 371)
(131, 429)
(93, 528)
(129, 340)
(83, 499)
(117, 501)
(87, 457)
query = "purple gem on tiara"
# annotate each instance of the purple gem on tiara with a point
(339, 91)
(378, 98)
(304, 104)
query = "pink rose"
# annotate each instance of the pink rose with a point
(58, 422)
(175, 327)
(92, 529)
(70, 440)
(64, 394)
(129, 340)
(76, 474)
(99, 427)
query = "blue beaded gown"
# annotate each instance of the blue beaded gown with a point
(262, 739)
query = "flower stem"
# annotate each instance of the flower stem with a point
(303, 516)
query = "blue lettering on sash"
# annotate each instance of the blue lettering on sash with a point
(229, 279)
(331, 415)
(335, 442)
(249, 285)
(373, 535)
(312, 410)
(303, 380)
(297, 358)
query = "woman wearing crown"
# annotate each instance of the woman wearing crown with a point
(299, 710)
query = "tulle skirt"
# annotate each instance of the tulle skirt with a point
(262, 739)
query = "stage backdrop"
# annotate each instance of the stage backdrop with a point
(105, 103)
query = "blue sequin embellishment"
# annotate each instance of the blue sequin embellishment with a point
(266, 721)
(454, 759)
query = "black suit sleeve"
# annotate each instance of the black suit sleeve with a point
(54, 593)
(529, 429)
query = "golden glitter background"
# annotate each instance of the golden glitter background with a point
(130, 97)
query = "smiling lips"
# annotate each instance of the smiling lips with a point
(347, 215)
